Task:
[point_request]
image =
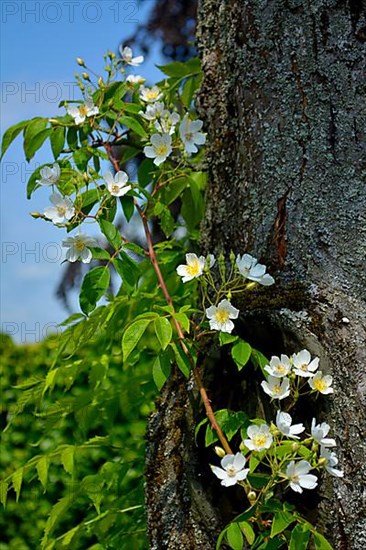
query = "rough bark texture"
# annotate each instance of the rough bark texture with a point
(284, 101)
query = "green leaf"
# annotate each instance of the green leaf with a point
(321, 542)
(146, 172)
(34, 135)
(42, 470)
(67, 459)
(163, 331)
(17, 479)
(182, 360)
(259, 360)
(72, 138)
(132, 336)
(10, 134)
(226, 338)
(241, 352)
(57, 140)
(230, 422)
(94, 285)
(4, 485)
(280, 522)
(99, 253)
(128, 206)
(57, 511)
(81, 158)
(189, 89)
(133, 124)
(174, 189)
(299, 537)
(161, 370)
(234, 536)
(183, 320)
(248, 531)
(178, 69)
(110, 231)
(127, 269)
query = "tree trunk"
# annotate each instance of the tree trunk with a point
(283, 97)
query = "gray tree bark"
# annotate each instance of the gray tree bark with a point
(283, 97)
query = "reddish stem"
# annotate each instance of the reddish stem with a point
(197, 377)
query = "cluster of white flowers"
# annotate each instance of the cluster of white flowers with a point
(300, 364)
(261, 438)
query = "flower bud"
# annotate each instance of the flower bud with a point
(36, 215)
(322, 461)
(250, 286)
(229, 296)
(85, 76)
(86, 177)
(100, 82)
(295, 446)
(108, 68)
(232, 257)
(242, 447)
(54, 121)
(314, 447)
(252, 495)
(220, 452)
(80, 62)
(274, 430)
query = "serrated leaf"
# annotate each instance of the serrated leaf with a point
(17, 479)
(163, 331)
(50, 380)
(248, 531)
(67, 459)
(10, 134)
(57, 138)
(42, 470)
(299, 538)
(234, 536)
(161, 370)
(241, 352)
(57, 511)
(112, 234)
(133, 124)
(67, 537)
(133, 335)
(94, 285)
(4, 485)
(281, 521)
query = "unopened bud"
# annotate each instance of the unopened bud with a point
(80, 62)
(274, 430)
(250, 286)
(86, 177)
(100, 82)
(36, 215)
(85, 76)
(108, 68)
(54, 121)
(295, 446)
(220, 452)
(322, 461)
(314, 447)
(229, 295)
(242, 447)
(232, 257)
(252, 495)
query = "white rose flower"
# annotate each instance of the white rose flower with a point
(252, 270)
(149, 95)
(276, 388)
(166, 123)
(78, 248)
(278, 367)
(232, 469)
(160, 148)
(219, 316)
(283, 423)
(135, 79)
(153, 111)
(331, 460)
(116, 184)
(303, 365)
(260, 438)
(190, 134)
(126, 54)
(299, 477)
(319, 434)
(80, 113)
(49, 175)
(62, 210)
(321, 383)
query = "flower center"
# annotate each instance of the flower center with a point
(189, 136)
(161, 150)
(193, 269)
(231, 471)
(304, 367)
(277, 390)
(61, 210)
(115, 188)
(259, 440)
(83, 110)
(79, 245)
(222, 315)
(280, 368)
(152, 94)
(320, 385)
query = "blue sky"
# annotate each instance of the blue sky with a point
(40, 41)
